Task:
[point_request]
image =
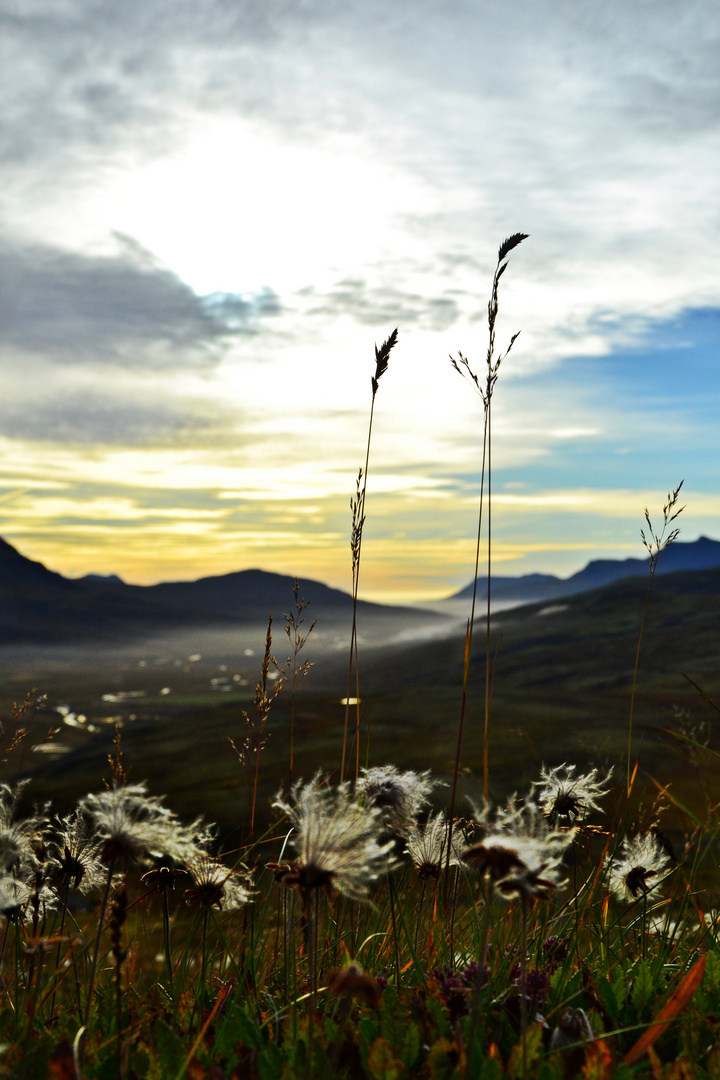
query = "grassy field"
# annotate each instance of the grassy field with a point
(352, 914)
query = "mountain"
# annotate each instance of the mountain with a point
(38, 606)
(701, 554)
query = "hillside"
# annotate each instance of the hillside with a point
(38, 606)
(701, 554)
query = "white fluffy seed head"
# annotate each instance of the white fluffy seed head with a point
(639, 869)
(400, 796)
(133, 825)
(336, 839)
(427, 845)
(564, 797)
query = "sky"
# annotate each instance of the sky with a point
(211, 213)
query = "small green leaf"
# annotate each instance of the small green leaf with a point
(642, 991)
(382, 1063)
(619, 988)
(170, 1052)
(270, 1063)
(442, 1059)
(711, 978)
(533, 1046)
(608, 997)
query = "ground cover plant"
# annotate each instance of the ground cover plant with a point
(377, 923)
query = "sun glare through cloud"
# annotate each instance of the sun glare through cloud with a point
(210, 223)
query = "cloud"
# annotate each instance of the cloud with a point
(124, 308)
(93, 419)
(381, 305)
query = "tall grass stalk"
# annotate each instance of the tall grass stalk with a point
(654, 545)
(484, 388)
(357, 507)
(98, 939)
(249, 753)
(296, 671)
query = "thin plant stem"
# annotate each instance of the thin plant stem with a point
(486, 730)
(634, 681)
(63, 914)
(96, 951)
(485, 391)
(654, 544)
(420, 911)
(203, 962)
(466, 655)
(523, 980)
(166, 941)
(393, 920)
(358, 511)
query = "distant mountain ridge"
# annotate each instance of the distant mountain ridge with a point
(701, 554)
(39, 606)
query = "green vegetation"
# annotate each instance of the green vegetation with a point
(355, 929)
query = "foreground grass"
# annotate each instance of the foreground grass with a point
(429, 976)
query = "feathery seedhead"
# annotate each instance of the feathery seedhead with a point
(639, 869)
(74, 854)
(335, 840)
(215, 885)
(427, 846)
(382, 357)
(520, 853)
(14, 897)
(399, 796)
(20, 840)
(562, 796)
(132, 825)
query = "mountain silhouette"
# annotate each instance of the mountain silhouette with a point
(701, 554)
(39, 606)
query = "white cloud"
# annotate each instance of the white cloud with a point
(328, 172)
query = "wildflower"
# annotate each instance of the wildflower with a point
(427, 846)
(74, 854)
(19, 840)
(563, 796)
(132, 824)
(161, 879)
(639, 869)
(399, 796)
(14, 897)
(335, 840)
(215, 885)
(520, 853)
(25, 898)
